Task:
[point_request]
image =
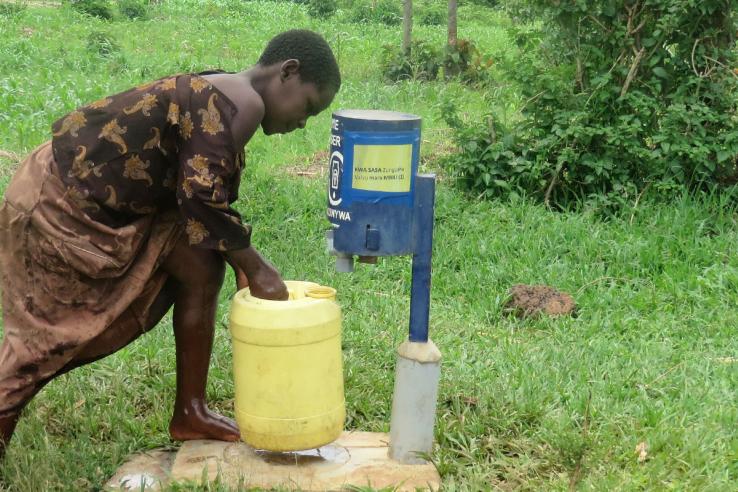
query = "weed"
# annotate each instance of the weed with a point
(423, 63)
(102, 44)
(380, 11)
(133, 9)
(464, 60)
(13, 8)
(321, 9)
(431, 14)
(94, 8)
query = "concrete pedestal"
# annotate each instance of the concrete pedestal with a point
(356, 458)
(417, 374)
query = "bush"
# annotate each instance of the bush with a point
(467, 62)
(132, 9)
(379, 11)
(102, 44)
(423, 63)
(487, 3)
(11, 9)
(432, 14)
(321, 9)
(94, 8)
(620, 97)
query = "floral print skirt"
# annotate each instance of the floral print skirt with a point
(70, 285)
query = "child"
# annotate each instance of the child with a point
(126, 212)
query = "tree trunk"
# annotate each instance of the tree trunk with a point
(451, 67)
(407, 26)
(452, 7)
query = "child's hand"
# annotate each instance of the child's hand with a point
(266, 283)
(260, 276)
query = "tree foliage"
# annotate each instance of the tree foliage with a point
(619, 95)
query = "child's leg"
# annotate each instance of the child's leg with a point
(199, 273)
(7, 427)
(110, 341)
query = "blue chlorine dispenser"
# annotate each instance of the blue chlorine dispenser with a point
(378, 205)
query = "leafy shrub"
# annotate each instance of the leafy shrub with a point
(378, 11)
(466, 61)
(423, 63)
(620, 96)
(94, 8)
(102, 44)
(133, 9)
(432, 14)
(486, 160)
(321, 9)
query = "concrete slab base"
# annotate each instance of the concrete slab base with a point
(356, 458)
(145, 471)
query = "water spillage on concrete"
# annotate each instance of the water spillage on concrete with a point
(330, 454)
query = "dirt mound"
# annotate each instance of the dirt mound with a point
(532, 300)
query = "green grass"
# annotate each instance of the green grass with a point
(546, 404)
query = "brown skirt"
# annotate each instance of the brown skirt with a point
(69, 284)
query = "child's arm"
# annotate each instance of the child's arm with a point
(242, 280)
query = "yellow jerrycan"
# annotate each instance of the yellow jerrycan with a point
(288, 368)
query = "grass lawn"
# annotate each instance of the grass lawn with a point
(651, 360)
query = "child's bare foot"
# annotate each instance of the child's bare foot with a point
(197, 422)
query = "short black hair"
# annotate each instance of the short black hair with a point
(317, 63)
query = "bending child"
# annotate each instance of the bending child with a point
(127, 212)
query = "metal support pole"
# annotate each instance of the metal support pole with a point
(425, 193)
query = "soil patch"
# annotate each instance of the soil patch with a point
(528, 301)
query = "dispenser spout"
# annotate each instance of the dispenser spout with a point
(329, 242)
(344, 262)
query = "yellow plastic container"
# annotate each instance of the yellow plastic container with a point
(288, 368)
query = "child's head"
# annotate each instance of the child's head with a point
(308, 79)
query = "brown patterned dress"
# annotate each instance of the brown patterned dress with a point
(89, 217)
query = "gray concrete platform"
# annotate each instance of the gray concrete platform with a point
(355, 458)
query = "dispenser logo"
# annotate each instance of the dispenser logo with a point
(334, 188)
